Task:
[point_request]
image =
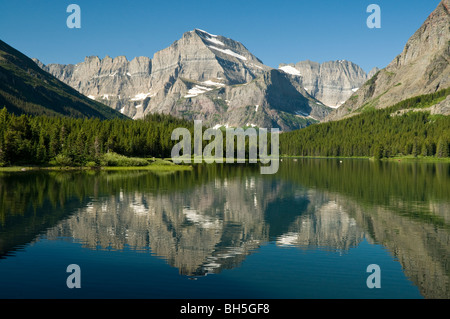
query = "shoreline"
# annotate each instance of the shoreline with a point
(159, 168)
(184, 167)
(410, 158)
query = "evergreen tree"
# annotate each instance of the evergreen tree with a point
(54, 143)
(424, 150)
(378, 152)
(41, 150)
(4, 116)
(2, 154)
(11, 142)
(442, 148)
(415, 148)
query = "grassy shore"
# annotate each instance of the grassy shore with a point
(165, 165)
(425, 159)
(326, 157)
(153, 165)
(160, 168)
(409, 158)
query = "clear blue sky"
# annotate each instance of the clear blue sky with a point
(275, 31)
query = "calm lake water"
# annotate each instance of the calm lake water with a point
(226, 231)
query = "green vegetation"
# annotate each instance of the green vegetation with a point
(26, 89)
(63, 142)
(292, 120)
(67, 142)
(419, 158)
(354, 97)
(379, 183)
(373, 79)
(221, 103)
(114, 159)
(377, 133)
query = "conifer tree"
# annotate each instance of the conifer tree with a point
(442, 148)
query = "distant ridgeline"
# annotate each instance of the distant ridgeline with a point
(409, 127)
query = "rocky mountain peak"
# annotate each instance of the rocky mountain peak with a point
(421, 68)
(431, 36)
(199, 76)
(331, 82)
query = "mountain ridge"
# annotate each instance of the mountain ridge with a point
(199, 76)
(422, 67)
(218, 80)
(331, 82)
(27, 89)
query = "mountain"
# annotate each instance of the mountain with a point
(422, 68)
(200, 76)
(26, 89)
(331, 82)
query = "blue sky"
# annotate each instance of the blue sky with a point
(275, 31)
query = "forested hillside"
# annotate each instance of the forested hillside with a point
(26, 89)
(407, 128)
(37, 140)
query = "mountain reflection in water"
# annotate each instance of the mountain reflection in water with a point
(211, 219)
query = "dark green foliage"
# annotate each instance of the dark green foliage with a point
(378, 133)
(378, 152)
(66, 141)
(442, 147)
(27, 89)
(114, 159)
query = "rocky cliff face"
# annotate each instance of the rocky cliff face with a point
(201, 76)
(331, 82)
(423, 67)
(116, 82)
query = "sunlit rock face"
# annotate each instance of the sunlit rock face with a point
(201, 76)
(331, 82)
(421, 68)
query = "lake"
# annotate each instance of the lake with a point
(226, 231)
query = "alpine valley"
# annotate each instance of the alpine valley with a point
(208, 77)
(93, 194)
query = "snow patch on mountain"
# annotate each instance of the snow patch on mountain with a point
(291, 70)
(217, 126)
(212, 83)
(229, 52)
(196, 90)
(141, 96)
(203, 31)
